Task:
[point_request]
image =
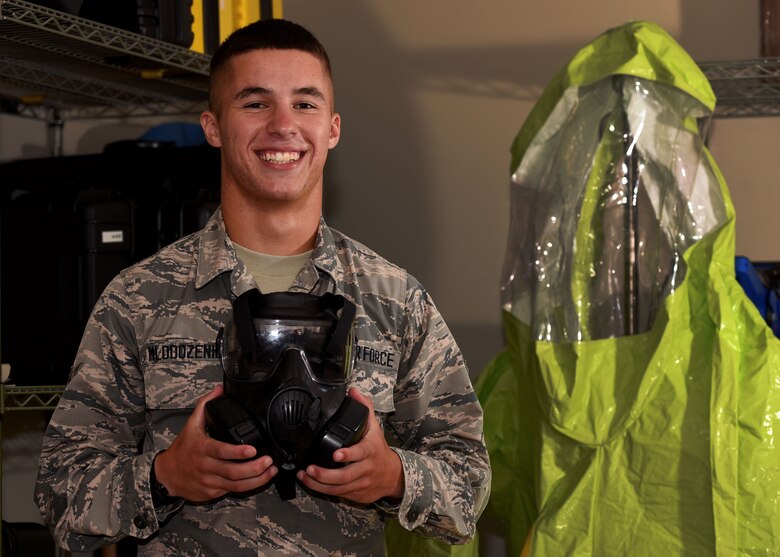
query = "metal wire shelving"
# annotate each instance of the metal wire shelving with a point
(745, 88)
(54, 61)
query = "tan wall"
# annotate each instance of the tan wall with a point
(432, 93)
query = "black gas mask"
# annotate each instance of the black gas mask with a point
(287, 358)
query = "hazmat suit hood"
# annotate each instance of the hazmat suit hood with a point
(633, 409)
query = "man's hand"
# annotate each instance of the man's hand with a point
(198, 468)
(372, 470)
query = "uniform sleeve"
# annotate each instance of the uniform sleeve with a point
(437, 430)
(93, 482)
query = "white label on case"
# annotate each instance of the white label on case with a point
(112, 236)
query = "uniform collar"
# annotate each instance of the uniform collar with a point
(215, 255)
(325, 255)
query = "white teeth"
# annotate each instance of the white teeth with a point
(281, 157)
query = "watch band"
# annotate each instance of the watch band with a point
(160, 495)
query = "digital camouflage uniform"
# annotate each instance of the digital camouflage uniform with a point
(149, 353)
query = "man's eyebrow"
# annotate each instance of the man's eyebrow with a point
(264, 91)
(310, 91)
(249, 91)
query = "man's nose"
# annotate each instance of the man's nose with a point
(282, 121)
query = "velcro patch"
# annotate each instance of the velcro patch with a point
(181, 350)
(379, 357)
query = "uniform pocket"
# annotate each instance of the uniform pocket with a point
(177, 372)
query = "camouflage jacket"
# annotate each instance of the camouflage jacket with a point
(148, 354)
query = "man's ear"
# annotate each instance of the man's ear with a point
(208, 121)
(335, 130)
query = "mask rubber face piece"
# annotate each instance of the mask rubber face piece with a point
(287, 359)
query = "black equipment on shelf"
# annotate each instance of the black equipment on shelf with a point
(68, 225)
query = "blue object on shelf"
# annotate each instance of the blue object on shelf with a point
(761, 283)
(182, 134)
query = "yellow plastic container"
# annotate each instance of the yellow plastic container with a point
(231, 15)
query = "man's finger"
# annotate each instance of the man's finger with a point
(199, 414)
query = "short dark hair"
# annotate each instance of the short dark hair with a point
(271, 34)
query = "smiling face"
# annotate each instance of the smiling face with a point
(273, 119)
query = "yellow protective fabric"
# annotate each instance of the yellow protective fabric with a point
(653, 444)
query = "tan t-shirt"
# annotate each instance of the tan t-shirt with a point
(273, 273)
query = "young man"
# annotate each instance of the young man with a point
(126, 452)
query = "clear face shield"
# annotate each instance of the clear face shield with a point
(253, 345)
(607, 198)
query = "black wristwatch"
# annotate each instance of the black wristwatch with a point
(160, 495)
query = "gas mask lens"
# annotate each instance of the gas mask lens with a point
(253, 344)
